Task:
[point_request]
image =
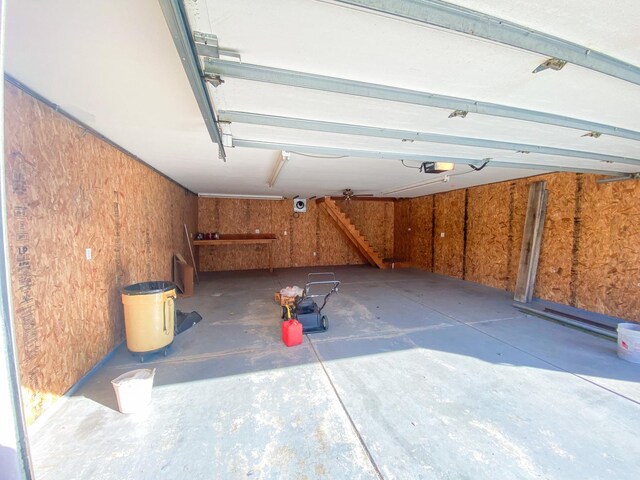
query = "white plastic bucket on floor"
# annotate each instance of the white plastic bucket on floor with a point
(133, 389)
(629, 342)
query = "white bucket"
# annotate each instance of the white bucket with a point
(133, 389)
(629, 342)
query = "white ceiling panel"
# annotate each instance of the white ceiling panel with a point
(327, 39)
(301, 137)
(115, 67)
(280, 100)
(607, 27)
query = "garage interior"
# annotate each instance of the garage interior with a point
(468, 170)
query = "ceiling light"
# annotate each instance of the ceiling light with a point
(241, 196)
(280, 161)
(458, 113)
(444, 179)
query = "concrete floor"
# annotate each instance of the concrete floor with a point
(419, 376)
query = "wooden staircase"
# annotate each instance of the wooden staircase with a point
(351, 232)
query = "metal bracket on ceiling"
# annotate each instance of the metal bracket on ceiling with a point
(458, 113)
(631, 176)
(551, 64)
(207, 46)
(227, 140)
(213, 80)
(592, 134)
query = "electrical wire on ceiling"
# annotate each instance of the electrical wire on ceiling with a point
(435, 181)
(477, 169)
(474, 169)
(423, 168)
(318, 156)
(409, 166)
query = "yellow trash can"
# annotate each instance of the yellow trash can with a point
(149, 316)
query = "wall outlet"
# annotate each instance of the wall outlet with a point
(87, 253)
(285, 233)
(314, 254)
(442, 234)
(409, 229)
(257, 231)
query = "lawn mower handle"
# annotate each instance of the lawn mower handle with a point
(307, 289)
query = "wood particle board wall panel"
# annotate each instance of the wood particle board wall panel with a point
(68, 191)
(608, 255)
(488, 227)
(554, 266)
(449, 250)
(553, 280)
(589, 255)
(402, 230)
(281, 225)
(303, 237)
(335, 248)
(373, 219)
(421, 234)
(313, 231)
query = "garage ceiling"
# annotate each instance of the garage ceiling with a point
(114, 66)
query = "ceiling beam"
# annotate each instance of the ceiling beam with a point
(258, 73)
(408, 135)
(452, 17)
(416, 157)
(176, 20)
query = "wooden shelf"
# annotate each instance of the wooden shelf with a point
(240, 239)
(230, 241)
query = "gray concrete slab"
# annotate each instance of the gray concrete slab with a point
(422, 376)
(575, 351)
(478, 408)
(267, 415)
(465, 301)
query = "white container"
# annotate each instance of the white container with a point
(629, 342)
(133, 389)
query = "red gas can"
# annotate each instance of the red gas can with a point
(291, 332)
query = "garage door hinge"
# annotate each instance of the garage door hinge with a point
(207, 46)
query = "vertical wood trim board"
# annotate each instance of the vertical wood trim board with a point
(531, 239)
(576, 242)
(464, 238)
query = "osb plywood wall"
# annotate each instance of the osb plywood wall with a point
(589, 255)
(303, 239)
(449, 233)
(414, 224)
(607, 249)
(375, 221)
(487, 258)
(69, 191)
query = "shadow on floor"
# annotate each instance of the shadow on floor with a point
(377, 312)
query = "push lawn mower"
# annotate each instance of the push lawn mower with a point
(306, 310)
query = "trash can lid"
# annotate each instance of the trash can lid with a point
(147, 288)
